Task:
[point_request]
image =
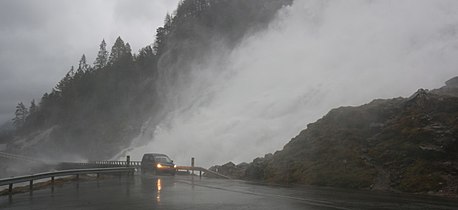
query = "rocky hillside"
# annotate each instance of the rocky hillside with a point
(401, 144)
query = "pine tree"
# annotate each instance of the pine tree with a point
(161, 34)
(145, 53)
(102, 57)
(128, 50)
(20, 115)
(83, 66)
(168, 22)
(65, 82)
(117, 51)
(71, 73)
(159, 44)
(33, 108)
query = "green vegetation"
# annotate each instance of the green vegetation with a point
(421, 176)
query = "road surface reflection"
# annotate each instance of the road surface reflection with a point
(158, 187)
(187, 192)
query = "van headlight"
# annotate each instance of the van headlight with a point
(159, 165)
(174, 166)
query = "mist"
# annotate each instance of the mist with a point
(41, 40)
(316, 55)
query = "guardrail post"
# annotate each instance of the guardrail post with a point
(52, 184)
(10, 189)
(200, 173)
(192, 165)
(128, 160)
(31, 186)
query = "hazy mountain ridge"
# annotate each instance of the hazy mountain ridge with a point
(401, 144)
(96, 111)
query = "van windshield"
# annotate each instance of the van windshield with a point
(162, 159)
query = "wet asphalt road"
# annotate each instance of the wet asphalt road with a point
(185, 192)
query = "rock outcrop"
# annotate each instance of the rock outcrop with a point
(452, 82)
(401, 144)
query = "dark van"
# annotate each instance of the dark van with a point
(157, 164)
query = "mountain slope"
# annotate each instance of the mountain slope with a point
(401, 144)
(96, 111)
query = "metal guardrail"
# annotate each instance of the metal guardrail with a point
(137, 164)
(77, 172)
(200, 169)
(118, 163)
(112, 164)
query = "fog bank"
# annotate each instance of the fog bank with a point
(317, 55)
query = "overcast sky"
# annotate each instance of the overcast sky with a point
(41, 40)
